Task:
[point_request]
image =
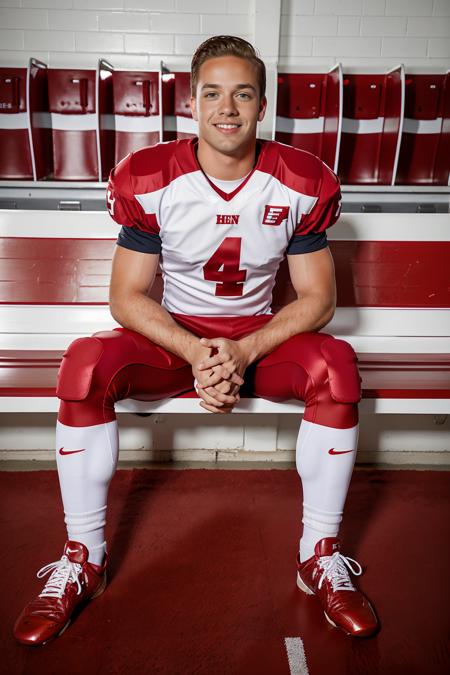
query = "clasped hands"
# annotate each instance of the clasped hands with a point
(218, 365)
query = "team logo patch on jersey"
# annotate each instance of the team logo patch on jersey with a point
(274, 215)
(227, 219)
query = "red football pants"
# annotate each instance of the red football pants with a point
(114, 365)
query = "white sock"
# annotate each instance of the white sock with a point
(84, 478)
(325, 468)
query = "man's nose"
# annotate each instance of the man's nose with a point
(228, 105)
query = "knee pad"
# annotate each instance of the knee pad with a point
(77, 367)
(343, 375)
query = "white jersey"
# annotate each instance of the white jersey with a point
(220, 251)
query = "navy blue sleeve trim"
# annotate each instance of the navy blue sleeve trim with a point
(136, 240)
(307, 243)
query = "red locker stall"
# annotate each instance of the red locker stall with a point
(178, 122)
(25, 129)
(75, 128)
(309, 112)
(130, 112)
(371, 127)
(137, 110)
(425, 147)
(15, 138)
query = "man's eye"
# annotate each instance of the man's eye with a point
(210, 93)
(242, 93)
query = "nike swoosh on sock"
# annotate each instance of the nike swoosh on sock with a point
(70, 452)
(332, 451)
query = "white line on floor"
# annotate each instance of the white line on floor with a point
(296, 656)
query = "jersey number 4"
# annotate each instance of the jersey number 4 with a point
(223, 268)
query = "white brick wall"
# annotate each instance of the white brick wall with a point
(123, 22)
(375, 33)
(177, 24)
(292, 47)
(24, 18)
(12, 39)
(380, 25)
(129, 33)
(439, 47)
(349, 25)
(138, 33)
(409, 7)
(292, 7)
(346, 46)
(403, 47)
(424, 27)
(72, 20)
(441, 8)
(54, 40)
(309, 25)
(223, 24)
(238, 6)
(338, 7)
(153, 44)
(373, 7)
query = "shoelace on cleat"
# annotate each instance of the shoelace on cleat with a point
(334, 568)
(64, 571)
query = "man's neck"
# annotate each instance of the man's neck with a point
(225, 167)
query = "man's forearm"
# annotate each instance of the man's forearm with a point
(300, 316)
(142, 314)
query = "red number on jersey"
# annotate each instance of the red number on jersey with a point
(223, 268)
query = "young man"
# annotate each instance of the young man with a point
(220, 211)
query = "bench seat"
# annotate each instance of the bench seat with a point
(392, 307)
(390, 383)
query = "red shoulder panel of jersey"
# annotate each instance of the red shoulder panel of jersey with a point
(305, 173)
(155, 167)
(122, 205)
(146, 170)
(326, 210)
(298, 169)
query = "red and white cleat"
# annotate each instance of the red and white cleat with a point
(73, 580)
(325, 574)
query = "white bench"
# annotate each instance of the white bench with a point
(403, 351)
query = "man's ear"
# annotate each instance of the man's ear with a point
(262, 109)
(194, 108)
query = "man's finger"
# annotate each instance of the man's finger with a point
(226, 374)
(219, 396)
(227, 387)
(234, 391)
(229, 375)
(212, 342)
(211, 400)
(211, 408)
(212, 361)
(210, 381)
(236, 379)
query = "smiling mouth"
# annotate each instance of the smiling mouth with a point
(224, 126)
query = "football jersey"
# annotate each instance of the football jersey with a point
(220, 251)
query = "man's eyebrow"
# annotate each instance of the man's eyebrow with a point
(239, 86)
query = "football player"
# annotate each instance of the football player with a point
(218, 213)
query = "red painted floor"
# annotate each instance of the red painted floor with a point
(202, 578)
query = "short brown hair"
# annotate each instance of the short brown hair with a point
(227, 45)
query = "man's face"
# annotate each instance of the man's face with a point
(227, 105)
